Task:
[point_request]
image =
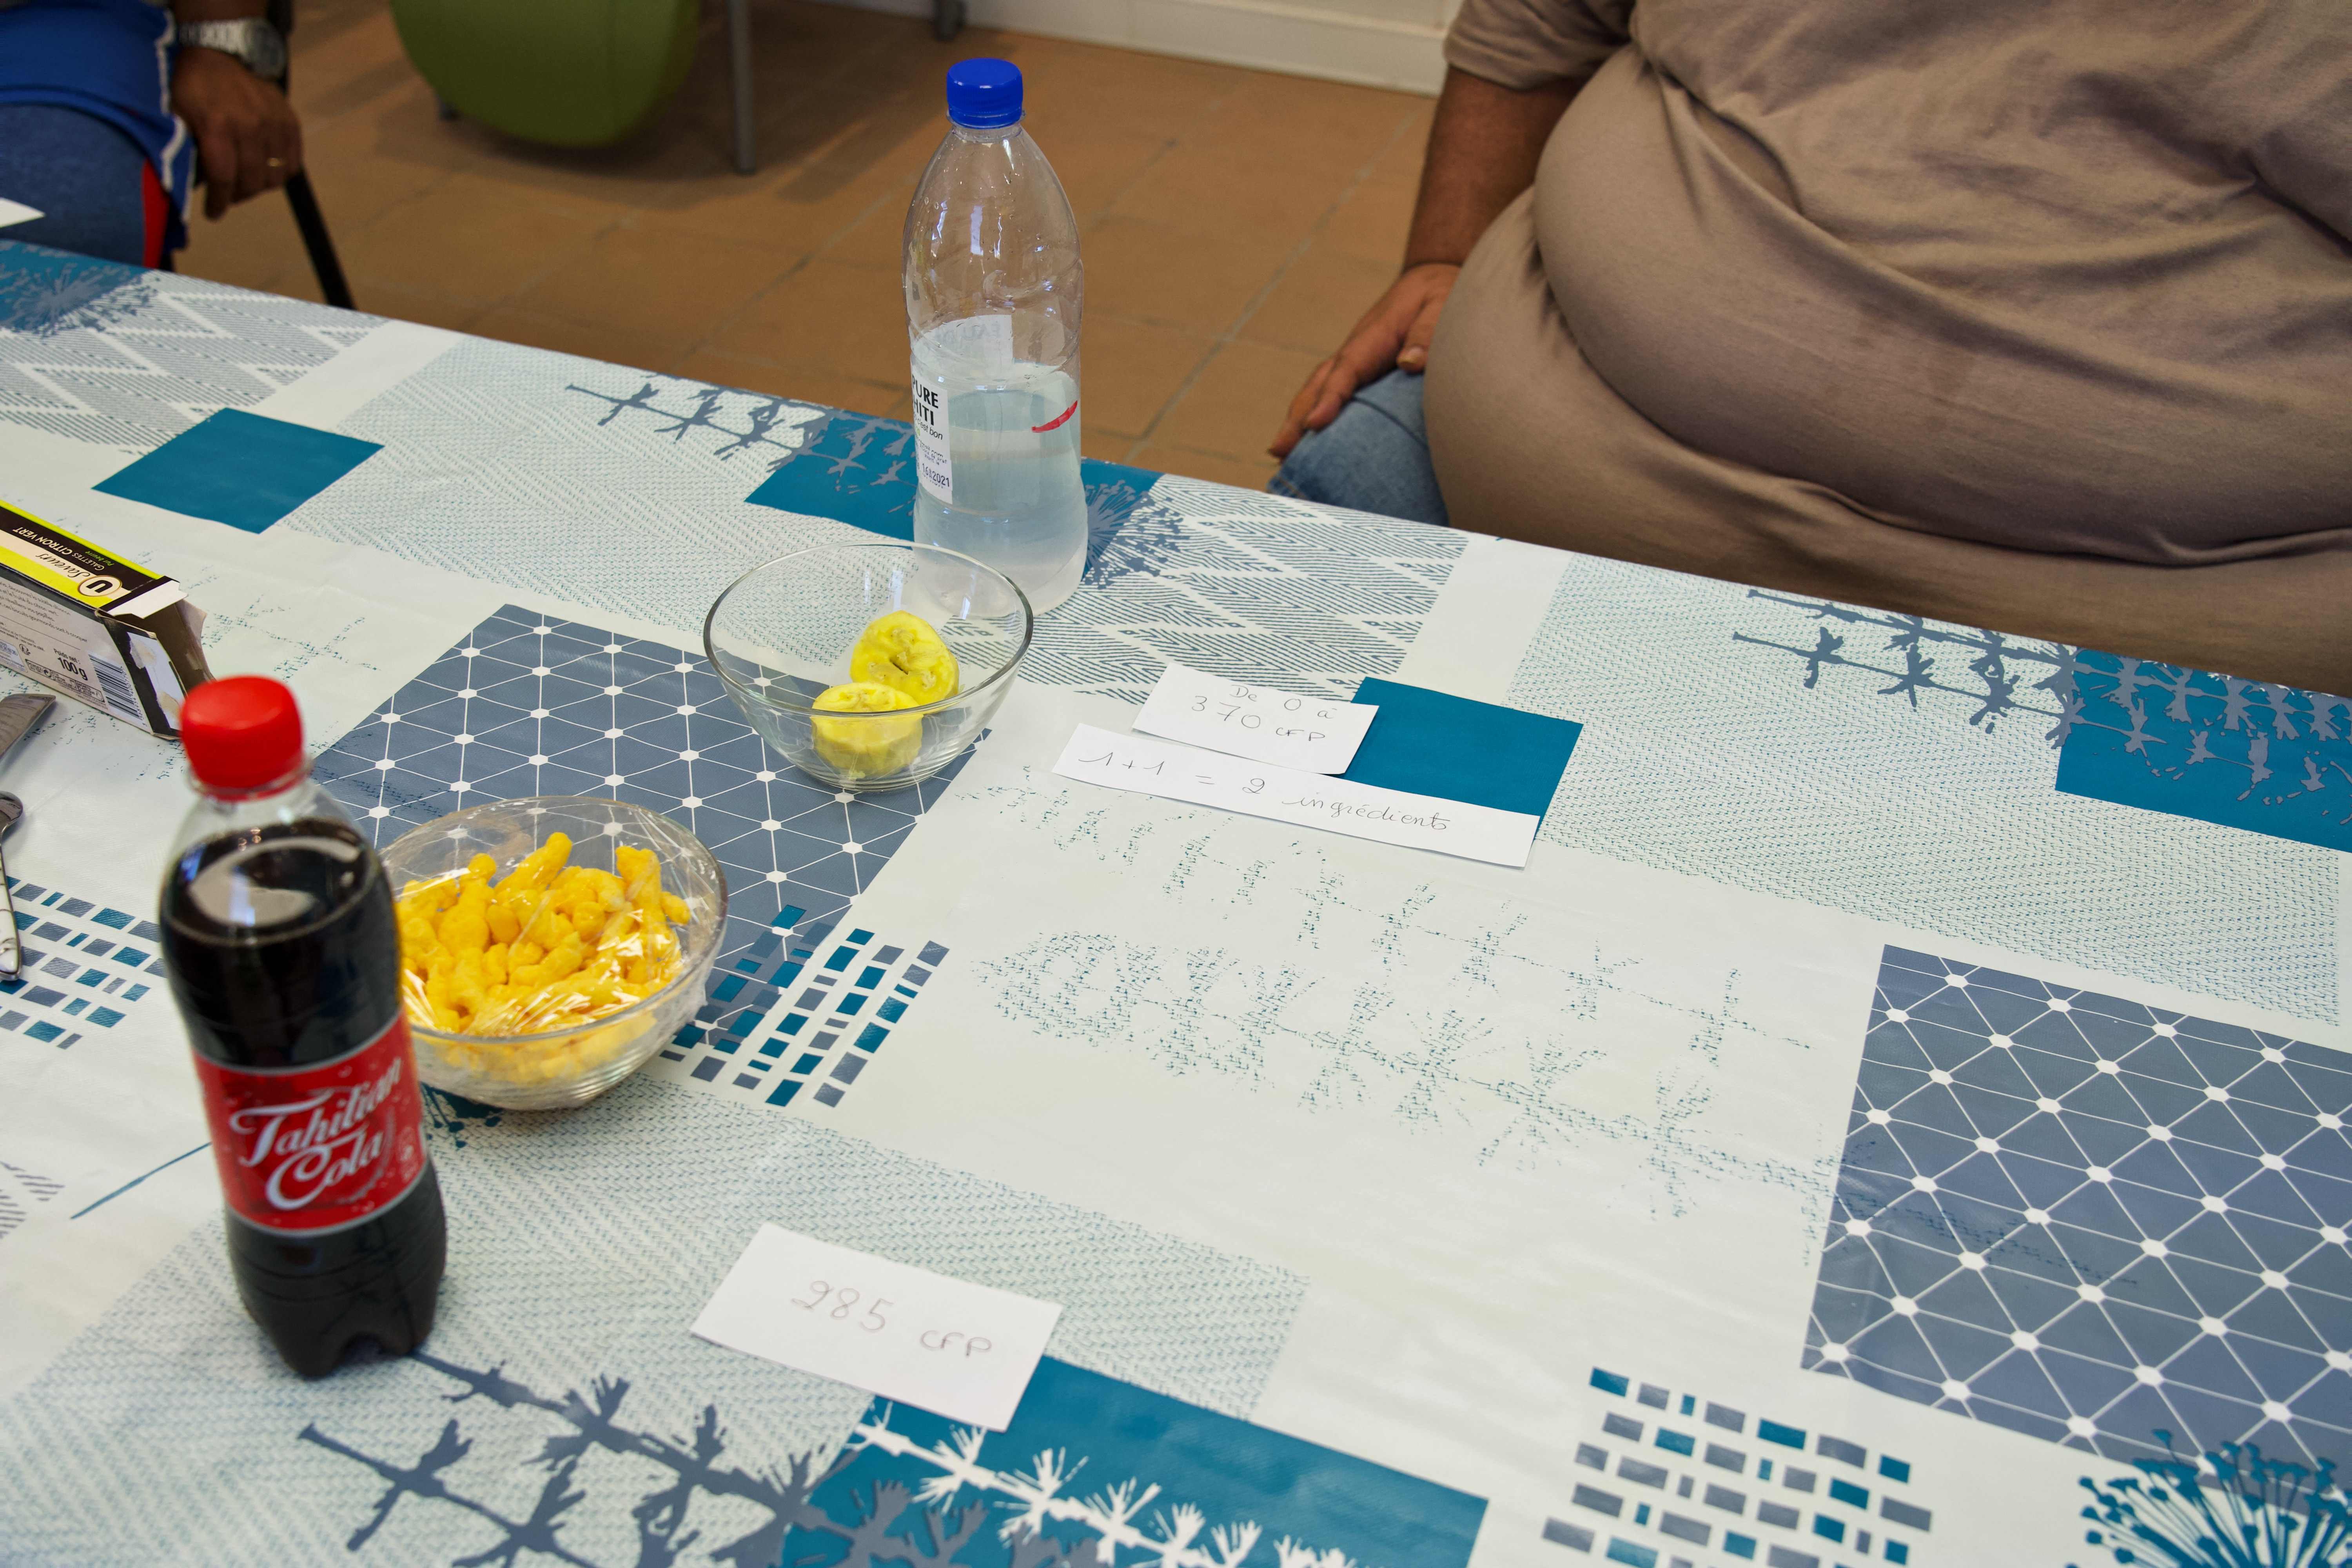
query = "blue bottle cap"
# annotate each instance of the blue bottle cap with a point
(984, 93)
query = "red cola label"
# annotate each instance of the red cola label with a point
(317, 1148)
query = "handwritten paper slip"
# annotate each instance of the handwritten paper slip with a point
(1319, 734)
(962, 1351)
(1309, 800)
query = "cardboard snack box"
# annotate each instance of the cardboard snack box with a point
(101, 629)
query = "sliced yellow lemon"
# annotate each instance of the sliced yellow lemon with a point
(904, 652)
(864, 747)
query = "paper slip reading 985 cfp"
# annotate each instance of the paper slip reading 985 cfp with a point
(1309, 800)
(958, 1350)
(1319, 734)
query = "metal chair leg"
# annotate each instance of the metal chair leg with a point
(738, 57)
(315, 241)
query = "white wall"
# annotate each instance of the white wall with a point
(1381, 43)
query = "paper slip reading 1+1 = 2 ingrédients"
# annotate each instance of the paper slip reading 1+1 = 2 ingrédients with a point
(1146, 766)
(1314, 734)
(958, 1350)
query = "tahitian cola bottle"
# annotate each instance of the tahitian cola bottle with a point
(280, 944)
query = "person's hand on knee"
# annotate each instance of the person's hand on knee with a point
(1485, 140)
(244, 131)
(1395, 335)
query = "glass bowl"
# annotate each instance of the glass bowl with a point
(569, 1066)
(782, 633)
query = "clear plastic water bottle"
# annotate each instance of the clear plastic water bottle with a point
(993, 294)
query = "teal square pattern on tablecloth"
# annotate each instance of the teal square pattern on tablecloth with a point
(2238, 754)
(1426, 743)
(239, 468)
(87, 966)
(1096, 1470)
(1609, 1519)
(859, 468)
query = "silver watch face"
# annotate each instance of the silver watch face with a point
(251, 39)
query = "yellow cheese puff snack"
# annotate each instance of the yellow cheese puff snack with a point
(547, 948)
(562, 960)
(465, 986)
(418, 938)
(540, 867)
(640, 873)
(467, 928)
(426, 901)
(548, 929)
(445, 1009)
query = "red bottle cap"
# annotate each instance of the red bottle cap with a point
(241, 734)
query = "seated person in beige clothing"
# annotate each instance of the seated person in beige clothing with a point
(2030, 315)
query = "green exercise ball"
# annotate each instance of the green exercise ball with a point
(570, 73)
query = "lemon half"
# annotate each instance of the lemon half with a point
(904, 652)
(862, 748)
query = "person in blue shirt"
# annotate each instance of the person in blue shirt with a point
(108, 108)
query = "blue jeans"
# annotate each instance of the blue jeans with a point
(85, 178)
(1373, 457)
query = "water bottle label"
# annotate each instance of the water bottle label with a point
(317, 1148)
(976, 348)
(932, 465)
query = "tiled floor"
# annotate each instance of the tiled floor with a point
(1235, 223)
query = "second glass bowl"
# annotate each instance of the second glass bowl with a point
(782, 633)
(565, 1067)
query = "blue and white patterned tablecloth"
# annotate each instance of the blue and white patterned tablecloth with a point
(1898, 1115)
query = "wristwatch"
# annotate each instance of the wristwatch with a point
(250, 39)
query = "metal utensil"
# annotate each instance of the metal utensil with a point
(12, 952)
(18, 714)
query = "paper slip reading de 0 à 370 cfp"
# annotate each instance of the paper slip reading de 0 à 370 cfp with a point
(1319, 734)
(962, 1351)
(1307, 800)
